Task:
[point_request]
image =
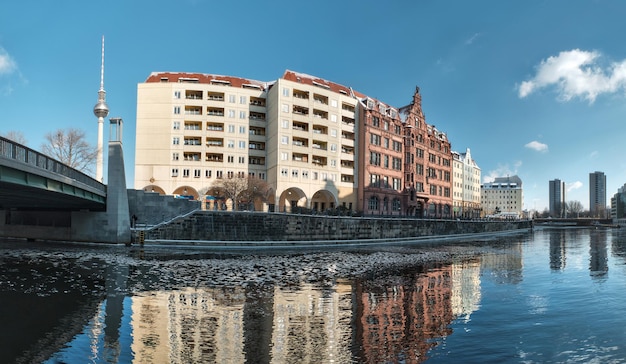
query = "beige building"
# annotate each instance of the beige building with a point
(503, 196)
(465, 185)
(296, 133)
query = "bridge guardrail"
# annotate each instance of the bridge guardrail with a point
(20, 153)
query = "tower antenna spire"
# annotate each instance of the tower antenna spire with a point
(102, 67)
(101, 110)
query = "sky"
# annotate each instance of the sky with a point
(533, 88)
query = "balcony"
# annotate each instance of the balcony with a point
(257, 101)
(193, 125)
(347, 135)
(257, 116)
(347, 107)
(214, 142)
(257, 161)
(256, 146)
(347, 178)
(320, 99)
(347, 164)
(299, 157)
(215, 126)
(299, 126)
(319, 145)
(257, 131)
(300, 142)
(300, 94)
(347, 150)
(215, 96)
(320, 114)
(300, 110)
(193, 157)
(347, 121)
(320, 129)
(193, 95)
(215, 111)
(214, 157)
(192, 141)
(193, 110)
(319, 161)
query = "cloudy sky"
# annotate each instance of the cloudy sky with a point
(534, 88)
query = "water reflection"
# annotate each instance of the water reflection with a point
(118, 306)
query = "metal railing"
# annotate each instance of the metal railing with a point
(20, 153)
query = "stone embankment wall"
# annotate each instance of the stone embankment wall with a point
(251, 226)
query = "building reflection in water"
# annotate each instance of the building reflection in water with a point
(397, 317)
(598, 255)
(557, 250)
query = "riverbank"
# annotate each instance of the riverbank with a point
(249, 229)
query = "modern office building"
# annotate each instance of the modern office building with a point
(618, 206)
(466, 186)
(503, 195)
(317, 144)
(557, 198)
(597, 194)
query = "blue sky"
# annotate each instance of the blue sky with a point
(533, 88)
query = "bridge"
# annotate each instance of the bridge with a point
(582, 221)
(30, 180)
(44, 199)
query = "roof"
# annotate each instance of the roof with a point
(206, 79)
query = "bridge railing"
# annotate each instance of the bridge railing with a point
(20, 153)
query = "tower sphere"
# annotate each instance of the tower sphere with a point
(101, 110)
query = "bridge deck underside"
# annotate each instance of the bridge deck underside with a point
(24, 197)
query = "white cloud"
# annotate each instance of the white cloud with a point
(573, 186)
(7, 64)
(471, 39)
(594, 154)
(538, 146)
(503, 170)
(576, 73)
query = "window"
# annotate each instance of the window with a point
(231, 144)
(395, 205)
(333, 163)
(284, 156)
(420, 153)
(433, 190)
(294, 173)
(242, 100)
(242, 114)
(186, 172)
(231, 159)
(207, 173)
(175, 156)
(175, 140)
(174, 172)
(375, 158)
(374, 180)
(314, 176)
(242, 160)
(372, 203)
(376, 121)
(231, 113)
(374, 139)
(333, 118)
(284, 124)
(219, 174)
(386, 143)
(333, 147)
(176, 125)
(176, 110)
(242, 144)
(177, 94)
(231, 128)
(285, 92)
(397, 184)
(333, 103)
(230, 174)
(285, 108)
(284, 172)
(242, 129)
(231, 99)
(397, 146)
(284, 139)
(196, 173)
(397, 164)
(386, 163)
(333, 133)
(305, 174)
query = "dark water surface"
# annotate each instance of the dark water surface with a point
(552, 296)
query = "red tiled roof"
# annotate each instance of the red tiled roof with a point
(204, 78)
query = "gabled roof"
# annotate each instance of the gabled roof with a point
(206, 79)
(320, 82)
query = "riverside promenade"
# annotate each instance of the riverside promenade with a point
(261, 229)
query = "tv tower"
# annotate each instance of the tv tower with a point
(101, 110)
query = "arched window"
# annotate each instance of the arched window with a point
(395, 205)
(372, 203)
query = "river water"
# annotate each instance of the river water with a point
(552, 295)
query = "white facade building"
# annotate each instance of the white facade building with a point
(503, 195)
(465, 185)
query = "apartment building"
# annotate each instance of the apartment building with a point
(318, 145)
(503, 195)
(597, 194)
(556, 198)
(466, 185)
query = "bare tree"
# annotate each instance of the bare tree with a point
(574, 207)
(70, 147)
(239, 189)
(16, 136)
